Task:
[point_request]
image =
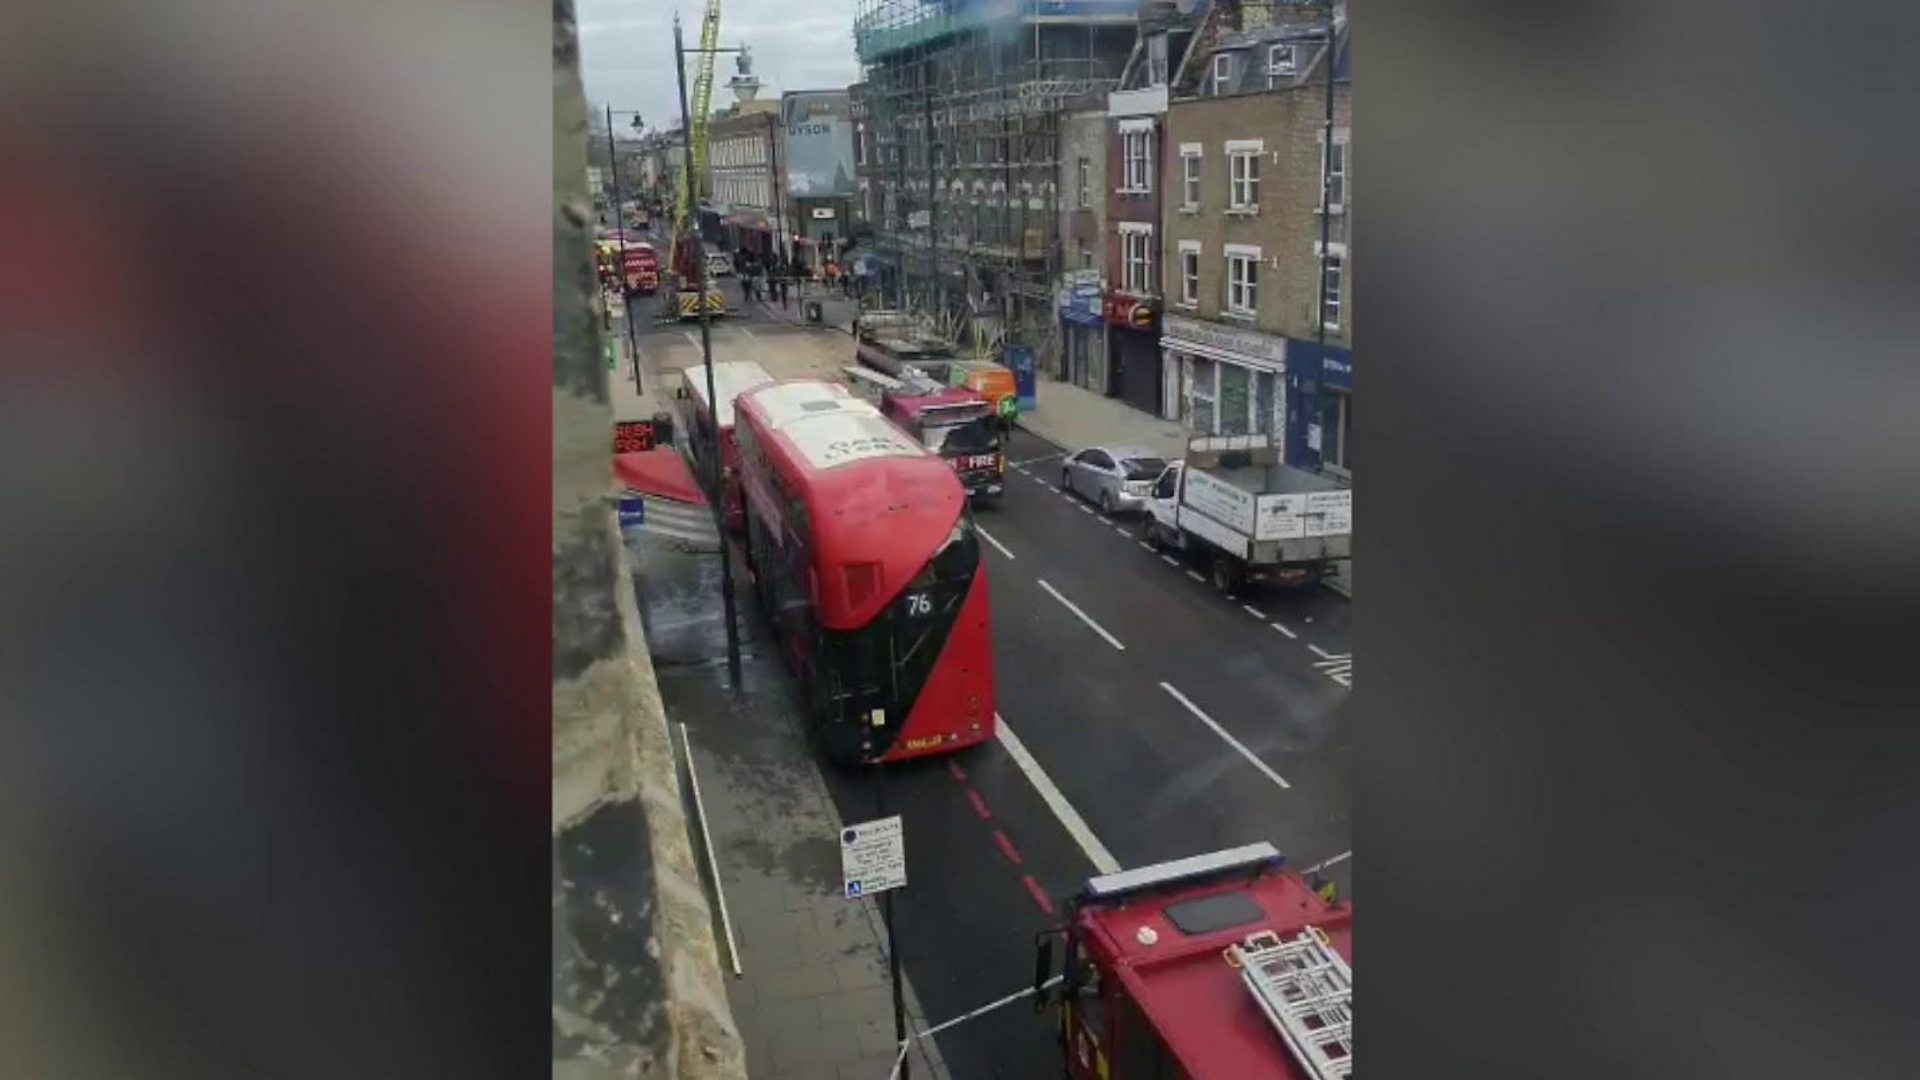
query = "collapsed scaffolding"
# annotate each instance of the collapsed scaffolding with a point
(963, 99)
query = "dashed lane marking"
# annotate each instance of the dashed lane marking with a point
(1039, 895)
(1252, 758)
(1196, 575)
(1144, 546)
(1253, 611)
(1170, 560)
(988, 537)
(1069, 818)
(1006, 847)
(1284, 630)
(1084, 617)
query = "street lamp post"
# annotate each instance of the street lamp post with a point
(620, 236)
(697, 255)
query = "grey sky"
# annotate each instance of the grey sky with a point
(626, 50)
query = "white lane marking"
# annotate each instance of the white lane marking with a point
(1195, 575)
(1084, 508)
(1037, 460)
(1105, 520)
(1049, 487)
(1121, 529)
(750, 334)
(1144, 546)
(1320, 652)
(1223, 733)
(1170, 560)
(989, 539)
(1070, 606)
(1336, 666)
(691, 339)
(1070, 819)
(1284, 630)
(1253, 611)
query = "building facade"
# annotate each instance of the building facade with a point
(1260, 311)
(1136, 198)
(1081, 357)
(742, 148)
(817, 162)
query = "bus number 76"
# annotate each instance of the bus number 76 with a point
(919, 604)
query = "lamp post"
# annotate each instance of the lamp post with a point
(620, 236)
(698, 257)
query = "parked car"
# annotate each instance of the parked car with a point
(719, 264)
(1118, 478)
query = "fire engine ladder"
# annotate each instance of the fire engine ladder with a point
(1306, 990)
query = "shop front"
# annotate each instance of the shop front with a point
(1320, 408)
(1083, 356)
(1133, 354)
(1233, 377)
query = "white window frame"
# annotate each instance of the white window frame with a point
(1190, 252)
(1243, 179)
(1336, 297)
(1275, 69)
(1136, 250)
(1222, 72)
(1242, 294)
(1190, 176)
(1136, 159)
(1345, 173)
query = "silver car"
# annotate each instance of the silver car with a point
(1118, 478)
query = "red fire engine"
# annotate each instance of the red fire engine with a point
(1215, 967)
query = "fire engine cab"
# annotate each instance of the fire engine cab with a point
(1216, 967)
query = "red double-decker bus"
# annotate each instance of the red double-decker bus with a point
(865, 557)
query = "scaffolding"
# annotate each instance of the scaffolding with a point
(963, 100)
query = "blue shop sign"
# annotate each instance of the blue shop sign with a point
(1082, 305)
(1331, 363)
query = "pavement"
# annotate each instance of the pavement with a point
(1144, 716)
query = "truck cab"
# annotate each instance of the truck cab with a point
(957, 424)
(1224, 966)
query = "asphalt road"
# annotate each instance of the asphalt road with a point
(1155, 718)
(1114, 730)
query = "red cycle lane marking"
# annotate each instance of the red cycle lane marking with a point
(1006, 847)
(1039, 895)
(958, 773)
(979, 805)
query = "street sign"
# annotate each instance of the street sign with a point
(873, 857)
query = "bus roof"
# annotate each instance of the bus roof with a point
(1201, 1008)
(731, 378)
(880, 503)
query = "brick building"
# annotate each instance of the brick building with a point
(1136, 153)
(1255, 344)
(1081, 357)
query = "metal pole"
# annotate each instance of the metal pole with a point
(779, 211)
(697, 256)
(1325, 220)
(620, 275)
(893, 941)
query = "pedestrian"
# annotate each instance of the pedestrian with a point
(783, 292)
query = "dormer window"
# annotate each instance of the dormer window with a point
(1282, 63)
(1222, 73)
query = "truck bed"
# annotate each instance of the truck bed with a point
(1276, 479)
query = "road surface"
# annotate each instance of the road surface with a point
(1145, 717)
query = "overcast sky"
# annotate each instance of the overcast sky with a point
(626, 50)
